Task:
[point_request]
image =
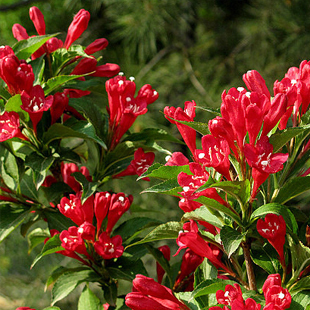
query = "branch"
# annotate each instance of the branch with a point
(17, 5)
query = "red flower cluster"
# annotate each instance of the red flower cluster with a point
(277, 298)
(95, 219)
(124, 107)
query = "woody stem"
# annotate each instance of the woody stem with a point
(249, 265)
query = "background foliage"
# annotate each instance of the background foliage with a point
(187, 50)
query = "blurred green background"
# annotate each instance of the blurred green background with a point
(187, 50)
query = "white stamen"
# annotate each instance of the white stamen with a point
(201, 155)
(293, 82)
(248, 94)
(121, 82)
(155, 93)
(121, 73)
(128, 99)
(240, 89)
(281, 295)
(186, 188)
(121, 198)
(167, 157)
(131, 78)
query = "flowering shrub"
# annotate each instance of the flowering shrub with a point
(247, 244)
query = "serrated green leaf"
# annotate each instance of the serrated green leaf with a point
(279, 210)
(55, 82)
(25, 48)
(169, 230)
(68, 281)
(36, 237)
(204, 214)
(241, 190)
(126, 269)
(14, 104)
(38, 66)
(292, 188)
(213, 204)
(80, 129)
(134, 226)
(52, 245)
(89, 301)
(266, 259)
(300, 257)
(301, 285)
(300, 301)
(216, 112)
(56, 220)
(202, 128)
(55, 275)
(210, 286)
(168, 187)
(93, 114)
(10, 218)
(38, 162)
(9, 169)
(231, 239)
(88, 187)
(27, 186)
(164, 172)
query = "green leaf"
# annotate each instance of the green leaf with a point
(27, 186)
(216, 112)
(93, 114)
(88, 300)
(241, 190)
(126, 269)
(231, 239)
(38, 66)
(25, 48)
(301, 285)
(202, 128)
(281, 138)
(55, 275)
(168, 187)
(9, 169)
(213, 204)
(164, 172)
(56, 220)
(52, 308)
(4, 93)
(55, 82)
(135, 226)
(300, 301)
(10, 218)
(279, 210)
(204, 214)
(266, 258)
(88, 187)
(293, 188)
(68, 281)
(36, 237)
(300, 257)
(149, 134)
(80, 129)
(14, 104)
(210, 286)
(52, 245)
(169, 230)
(159, 257)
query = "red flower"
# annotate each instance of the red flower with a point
(101, 208)
(75, 210)
(214, 154)
(272, 279)
(35, 104)
(263, 161)
(190, 262)
(273, 228)
(109, 248)
(147, 294)
(177, 159)
(278, 296)
(141, 162)
(230, 294)
(67, 169)
(159, 269)
(188, 134)
(255, 82)
(119, 204)
(9, 126)
(96, 46)
(38, 20)
(60, 103)
(87, 231)
(25, 308)
(71, 240)
(77, 27)
(124, 108)
(17, 75)
(191, 238)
